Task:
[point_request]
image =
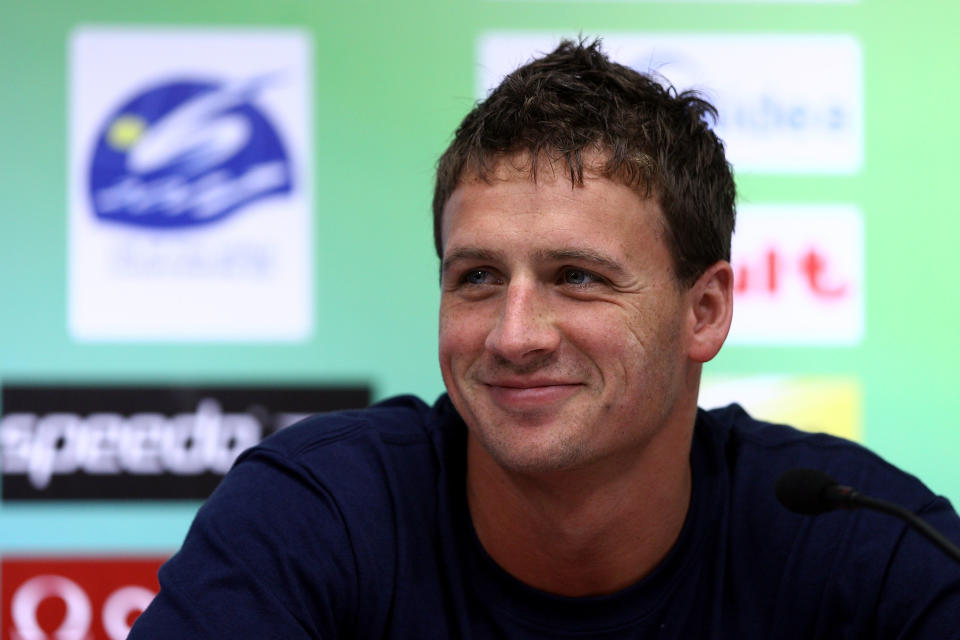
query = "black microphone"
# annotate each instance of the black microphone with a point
(810, 492)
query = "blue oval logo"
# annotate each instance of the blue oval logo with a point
(186, 153)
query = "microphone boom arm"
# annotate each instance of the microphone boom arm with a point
(848, 498)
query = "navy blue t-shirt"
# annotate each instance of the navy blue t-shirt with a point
(355, 525)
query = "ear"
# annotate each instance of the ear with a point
(711, 306)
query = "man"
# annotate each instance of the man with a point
(568, 486)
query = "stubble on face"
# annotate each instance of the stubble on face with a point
(502, 431)
(605, 355)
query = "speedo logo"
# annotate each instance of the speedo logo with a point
(119, 442)
(43, 446)
(185, 153)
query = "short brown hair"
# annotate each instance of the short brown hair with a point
(575, 101)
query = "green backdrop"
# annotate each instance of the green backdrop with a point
(392, 80)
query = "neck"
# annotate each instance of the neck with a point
(586, 531)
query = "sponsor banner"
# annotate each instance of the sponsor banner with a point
(75, 598)
(798, 275)
(190, 196)
(787, 103)
(827, 404)
(150, 442)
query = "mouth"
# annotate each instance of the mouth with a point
(534, 394)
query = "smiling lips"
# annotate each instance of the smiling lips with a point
(530, 394)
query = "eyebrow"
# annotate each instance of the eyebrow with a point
(545, 255)
(582, 255)
(470, 253)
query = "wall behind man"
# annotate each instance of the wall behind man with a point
(382, 86)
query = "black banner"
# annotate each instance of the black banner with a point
(142, 442)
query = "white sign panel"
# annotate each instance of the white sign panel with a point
(787, 103)
(798, 275)
(190, 196)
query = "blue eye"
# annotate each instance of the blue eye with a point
(476, 276)
(577, 277)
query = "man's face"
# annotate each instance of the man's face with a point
(562, 326)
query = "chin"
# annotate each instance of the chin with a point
(532, 455)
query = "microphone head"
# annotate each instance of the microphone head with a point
(806, 491)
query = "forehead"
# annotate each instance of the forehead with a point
(512, 209)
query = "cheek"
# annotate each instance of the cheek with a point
(461, 334)
(609, 332)
(621, 347)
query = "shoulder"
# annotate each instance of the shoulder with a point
(760, 451)
(367, 463)
(344, 468)
(402, 431)
(303, 536)
(854, 569)
(401, 420)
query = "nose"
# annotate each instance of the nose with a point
(525, 328)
